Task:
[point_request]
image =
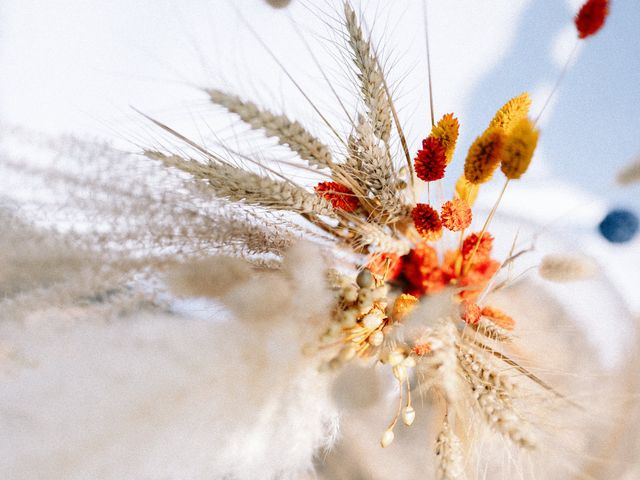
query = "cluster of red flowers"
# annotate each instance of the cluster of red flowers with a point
(341, 197)
(427, 221)
(431, 160)
(424, 273)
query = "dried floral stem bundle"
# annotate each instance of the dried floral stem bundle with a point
(392, 281)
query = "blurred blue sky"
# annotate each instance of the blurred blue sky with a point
(594, 127)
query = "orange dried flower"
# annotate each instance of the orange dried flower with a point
(431, 160)
(471, 282)
(427, 221)
(446, 130)
(484, 248)
(498, 317)
(422, 271)
(591, 17)
(341, 197)
(484, 155)
(403, 306)
(470, 312)
(456, 215)
(477, 279)
(421, 349)
(389, 263)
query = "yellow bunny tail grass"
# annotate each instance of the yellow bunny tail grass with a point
(484, 156)
(518, 149)
(512, 112)
(466, 190)
(446, 130)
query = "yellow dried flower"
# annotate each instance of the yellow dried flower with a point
(466, 190)
(512, 112)
(484, 156)
(518, 149)
(446, 130)
(403, 305)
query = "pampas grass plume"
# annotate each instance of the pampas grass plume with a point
(210, 277)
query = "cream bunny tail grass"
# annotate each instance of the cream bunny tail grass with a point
(630, 174)
(567, 268)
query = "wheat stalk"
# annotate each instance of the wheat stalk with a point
(441, 365)
(370, 166)
(371, 234)
(493, 392)
(490, 330)
(370, 76)
(237, 185)
(288, 132)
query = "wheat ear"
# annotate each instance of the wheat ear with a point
(288, 132)
(370, 166)
(493, 391)
(237, 185)
(370, 76)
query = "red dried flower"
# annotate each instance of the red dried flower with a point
(591, 17)
(431, 160)
(484, 248)
(341, 197)
(391, 263)
(427, 221)
(470, 312)
(456, 215)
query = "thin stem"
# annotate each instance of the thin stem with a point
(399, 412)
(426, 36)
(563, 73)
(289, 76)
(484, 228)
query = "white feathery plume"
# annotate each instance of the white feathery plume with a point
(143, 396)
(449, 452)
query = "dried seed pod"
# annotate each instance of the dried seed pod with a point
(408, 415)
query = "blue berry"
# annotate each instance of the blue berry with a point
(619, 226)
